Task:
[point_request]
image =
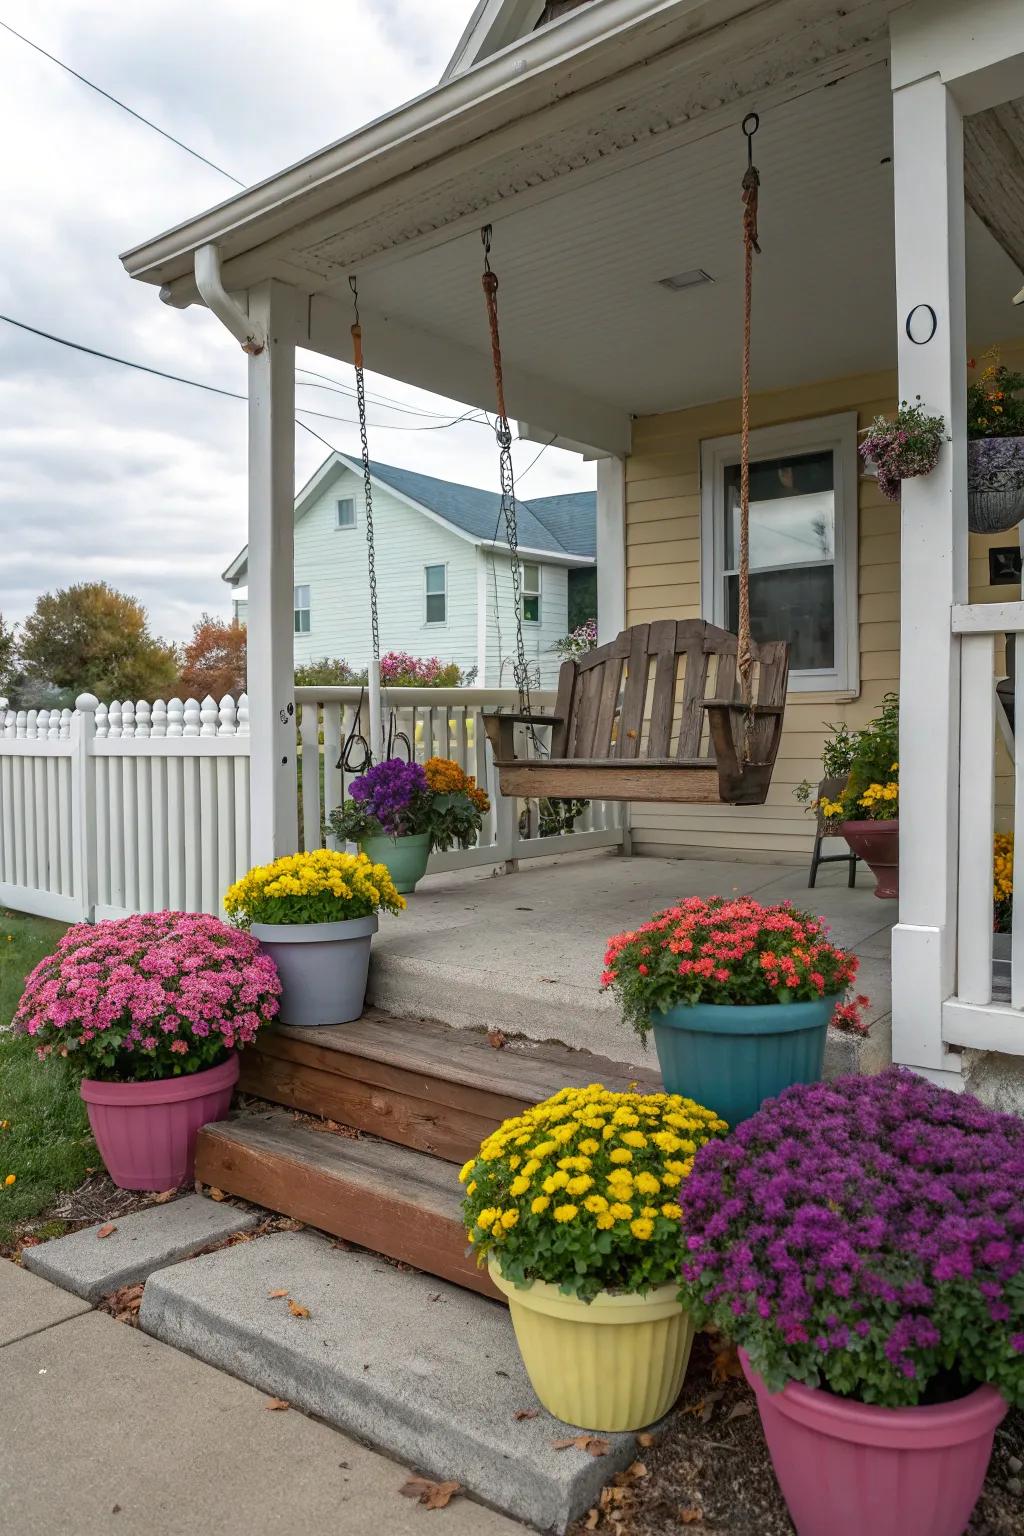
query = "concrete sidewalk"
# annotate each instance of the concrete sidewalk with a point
(105, 1430)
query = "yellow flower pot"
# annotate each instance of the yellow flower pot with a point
(614, 1363)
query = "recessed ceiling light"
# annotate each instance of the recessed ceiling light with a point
(682, 280)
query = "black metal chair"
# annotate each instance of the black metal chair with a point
(828, 789)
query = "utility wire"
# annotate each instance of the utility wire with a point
(214, 389)
(123, 105)
(375, 398)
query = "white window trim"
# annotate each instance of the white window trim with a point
(838, 433)
(296, 609)
(345, 527)
(538, 594)
(433, 565)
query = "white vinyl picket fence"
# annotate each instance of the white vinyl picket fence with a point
(119, 808)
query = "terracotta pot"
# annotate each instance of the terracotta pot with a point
(878, 844)
(146, 1132)
(846, 1468)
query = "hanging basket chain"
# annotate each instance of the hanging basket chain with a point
(503, 433)
(751, 185)
(357, 354)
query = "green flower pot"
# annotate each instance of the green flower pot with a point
(406, 857)
(731, 1058)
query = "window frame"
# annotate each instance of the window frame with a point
(297, 587)
(538, 592)
(838, 434)
(435, 565)
(345, 501)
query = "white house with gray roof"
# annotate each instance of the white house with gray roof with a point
(444, 575)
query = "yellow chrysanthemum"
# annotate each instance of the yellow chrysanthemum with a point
(634, 1139)
(530, 1167)
(487, 1218)
(565, 1213)
(509, 1219)
(671, 1210)
(621, 1155)
(540, 1205)
(555, 1182)
(642, 1228)
(590, 1146)
(579, 1185)
(621, 1211)
(466, 1170)
(518, 1187)
(596, 1204)
(605, 1220)
(648, 1183)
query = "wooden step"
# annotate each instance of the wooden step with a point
(394, 1201)
(416, 1082)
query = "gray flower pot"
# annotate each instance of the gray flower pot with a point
(322, 966)
(995, 484)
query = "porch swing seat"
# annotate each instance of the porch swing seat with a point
(655, 714)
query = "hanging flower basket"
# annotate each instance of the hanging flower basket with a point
(995, 484)
(904, 448)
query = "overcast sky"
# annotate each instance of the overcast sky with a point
(106, 474)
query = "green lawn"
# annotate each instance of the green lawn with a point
(46, 1144)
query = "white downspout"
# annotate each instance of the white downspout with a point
(215, 296)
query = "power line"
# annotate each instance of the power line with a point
(214, 389)
(123, 105)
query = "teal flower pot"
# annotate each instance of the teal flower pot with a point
(731, 1058)
(406, 857)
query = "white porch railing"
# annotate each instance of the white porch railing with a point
(121, 808)
(973, 1016)
(440, 722)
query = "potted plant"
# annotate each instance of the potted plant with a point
(1002, 905)
(904, 447)
(995, 447)
(398, 812)
(862, 1242)
(574, 1206)
(154, 1010)
(739, 996)
(315, 914)
(866, 811)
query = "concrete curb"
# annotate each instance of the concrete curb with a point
(412, 1366)
(92, 1267)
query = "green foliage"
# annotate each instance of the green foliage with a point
(871, 791)
(328, 672)
(995, 400)
(213, 661)
(8, 658)
(46, 1143)
(91, 638)
(582, 596)
(836, 760)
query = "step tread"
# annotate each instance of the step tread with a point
(520, 1069)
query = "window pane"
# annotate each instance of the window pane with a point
(796, 605)
(346, 513)
(792, 512)
(435, 578)
(531, 609)
(302, 621)
(302, 597)
(436, 605)
(531, 578)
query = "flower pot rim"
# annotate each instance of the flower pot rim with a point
(923, 1427)
(397, 837)
(163, 1090)
(606, 1307)
(739, 1018)
(871, 824)
(315, 933)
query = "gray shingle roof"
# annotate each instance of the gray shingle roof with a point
(555, 524)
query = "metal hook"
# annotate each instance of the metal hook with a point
(755, 121)
(485, 236)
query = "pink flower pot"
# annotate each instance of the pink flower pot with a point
(146, 1132)
(849, 1469)
(878, 844)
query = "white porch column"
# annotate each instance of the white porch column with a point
(930, 282)
(270, 619)
(611, 548)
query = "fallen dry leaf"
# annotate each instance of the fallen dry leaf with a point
(216, 1194)
(726, 1364)
(593, 1516)
(739, 1411)
(276, 1295)
(107, 1230)
(276, 1405)
(646, 1440)
(297, 1310)
(431, 1495)
(637, 1471)
(496, 1038)
(691, 1515)
(594, 1445)
(289, 1224)
(526, 1413)
(163, 1197)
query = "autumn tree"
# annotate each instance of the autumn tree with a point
(92, 638)
(214, 659)
(8, 657)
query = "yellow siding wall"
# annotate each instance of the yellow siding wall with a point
(663, 581)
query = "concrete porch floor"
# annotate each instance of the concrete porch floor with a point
(523, 952)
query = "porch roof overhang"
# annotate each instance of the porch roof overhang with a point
(605, 149)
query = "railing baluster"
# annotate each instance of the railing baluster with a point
(977, 819)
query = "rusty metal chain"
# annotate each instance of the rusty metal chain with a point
(357, 351)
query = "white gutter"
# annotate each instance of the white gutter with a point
(434, 121)
(248, 333)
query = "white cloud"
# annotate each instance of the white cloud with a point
(106, 473)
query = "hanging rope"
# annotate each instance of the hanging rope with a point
(357, 357)
(503, 432)
(751, 184)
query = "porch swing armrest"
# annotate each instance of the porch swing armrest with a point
(501, 732)
(533, 719)
(738, 707)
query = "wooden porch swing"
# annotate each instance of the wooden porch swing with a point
(704, 735)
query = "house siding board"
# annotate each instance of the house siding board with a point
(538, 638)
(334, 564)
(663, 509)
